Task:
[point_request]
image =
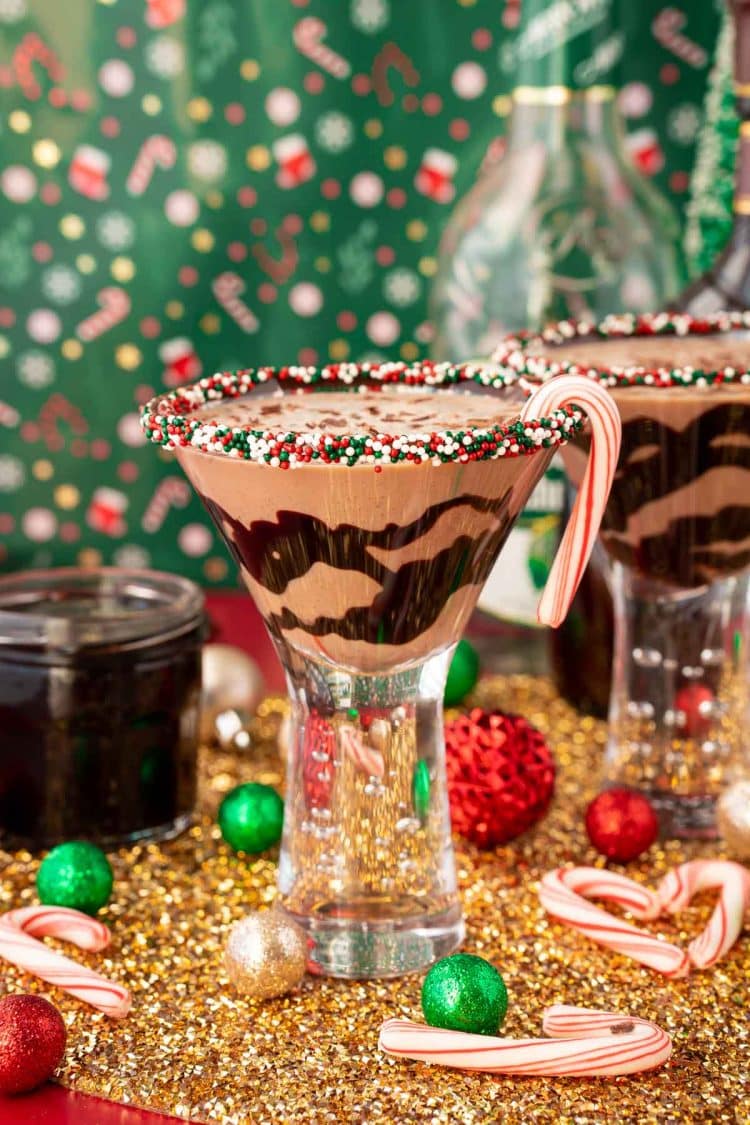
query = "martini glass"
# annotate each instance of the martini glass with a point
(365, 552)
(677, 533)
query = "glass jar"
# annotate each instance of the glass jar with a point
(100, 675)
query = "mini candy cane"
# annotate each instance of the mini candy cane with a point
(227, 289)
(308, 36)
(667, 29)
(365, 758)
(32, 49)
(115, 307)
(172, 492)
(562, 892)
(583, 525)
(581, 1044)
(157, 151)
(678, 887)
(20, 931)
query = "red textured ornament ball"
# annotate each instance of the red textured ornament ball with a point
(32, 1042)
(621, 824)
(501, 776)
(694, 701)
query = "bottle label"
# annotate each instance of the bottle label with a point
(572, 43)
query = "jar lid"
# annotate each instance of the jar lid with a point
(68, 609)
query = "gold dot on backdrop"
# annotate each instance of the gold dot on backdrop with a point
(409, 351)
(373, 128)
(250, 69)
(128, 357)
(43, 470)
(72, 226)
(428, 266)
(338, 349)
(320, 221)
(151, 104)
(210, 324)
(4, 347)
(174, 309)
(202, 240)
(85, 263)
(322, 265)
(215, 569)
(122, 269)
(66, 496)
(416, 230)
(89, 556)
(46, 153)
(19, 121)
(71, 349)
(214, 199)
(394, 157)
(199, 109)
(258, 158)
(502, 105)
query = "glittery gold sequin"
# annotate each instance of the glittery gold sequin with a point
(192, 1047)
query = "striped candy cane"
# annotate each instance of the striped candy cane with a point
(172, 492)
(157, 151)
(580, 534)
(58, 409)
(227, 289)
(308, 36)
(114, 308)
(667, 29)
(581, 1044)
(20, 931)
(562, 895)
(32, 50)
(725, 924)
(368, 760)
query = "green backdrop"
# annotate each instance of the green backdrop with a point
(200, 184)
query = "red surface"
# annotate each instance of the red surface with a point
(234, 621)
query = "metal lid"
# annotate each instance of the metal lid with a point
(68, 609)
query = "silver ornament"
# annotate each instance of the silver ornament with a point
(265, 955)
(733, 818)
(231, 681)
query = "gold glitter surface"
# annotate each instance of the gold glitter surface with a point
(192, 1047)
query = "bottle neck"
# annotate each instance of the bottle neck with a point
(558, 116)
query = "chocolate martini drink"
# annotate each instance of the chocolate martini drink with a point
(365, 508)
(677, 526)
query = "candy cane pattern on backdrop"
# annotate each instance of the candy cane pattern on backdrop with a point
(581, 1043)
(157, 151)
(20, 931)
(308, 36)
(725, 924)
(667, 29)
(115, 307)
(583, 525)
(562, 895)
(172, 492)
(227, 289)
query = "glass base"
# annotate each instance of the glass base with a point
(684, 818)
(359, 948)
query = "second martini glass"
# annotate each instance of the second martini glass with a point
(365, 507)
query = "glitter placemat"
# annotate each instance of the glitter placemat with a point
(193, 1048)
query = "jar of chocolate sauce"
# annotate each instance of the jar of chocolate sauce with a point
(100, 675)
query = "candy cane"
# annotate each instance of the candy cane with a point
(9, 416)
(20, 931)
(278, 269)
(308, 36)
(678, 887)
(365, 758)
(583, 525)
(391, 58)
(115, 307)
(172, 492)
(56, 409)
(227, 289)
(666, 28)
(561, 894)
(32, 49)
(581, 1043)
(157, 151)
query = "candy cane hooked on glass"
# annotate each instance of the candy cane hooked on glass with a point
(583, 526)
(725, 924)
(581, 1043)
(20, 931)
(366, 758)
(562, 895)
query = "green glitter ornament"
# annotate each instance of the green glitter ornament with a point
(462, 674)
(251, 817)
(77, 875)
(464, 993)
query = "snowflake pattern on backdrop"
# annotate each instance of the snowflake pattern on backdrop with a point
(185, 142)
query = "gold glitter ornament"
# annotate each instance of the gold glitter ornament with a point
(266, 955)
(733, 818)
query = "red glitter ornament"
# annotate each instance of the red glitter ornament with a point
(694, 700)
(501, 776)
(621, 824)
(32, 1042)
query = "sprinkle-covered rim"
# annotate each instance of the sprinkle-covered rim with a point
(167, 421)
(513, 358)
